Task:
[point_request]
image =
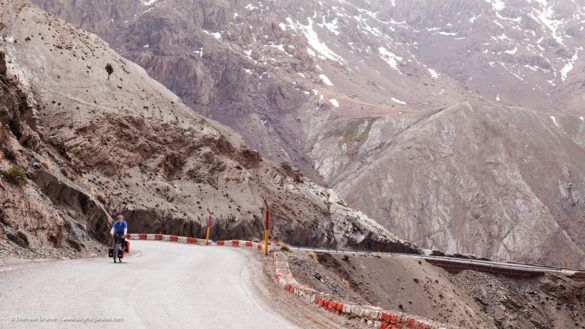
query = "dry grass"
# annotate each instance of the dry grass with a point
(101, 197)
(15, 175)
(283, 246)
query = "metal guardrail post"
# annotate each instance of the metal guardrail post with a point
(266, 231)
(208, 230)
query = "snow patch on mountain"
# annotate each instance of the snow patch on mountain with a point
(216, 35)
(313, 39)
(569, 65)
(497, 5)
(390, 58)
(331, 26)
(512, 51)
(250, 7)
(554, 120)
(445, 33)
(433, 73)
(325, 79)
(279, 47)
(364, 26)
(396, 100)
(474, 18)
(545, 18)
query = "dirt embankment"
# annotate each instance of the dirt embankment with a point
(468, 299)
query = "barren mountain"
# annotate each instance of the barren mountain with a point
(467, 299)
(454, 123)
(94, 144)
(462, 177)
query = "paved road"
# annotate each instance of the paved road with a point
(161, 285)
(495, 264)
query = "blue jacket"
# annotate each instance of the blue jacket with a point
(120, 227)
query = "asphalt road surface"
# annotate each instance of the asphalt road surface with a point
(160, 285)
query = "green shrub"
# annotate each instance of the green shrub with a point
(285, 248)
(109, 69)
(15, 175)
(23, 237)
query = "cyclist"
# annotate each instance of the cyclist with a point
(121, 227)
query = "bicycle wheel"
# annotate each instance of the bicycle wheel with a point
(115, 251)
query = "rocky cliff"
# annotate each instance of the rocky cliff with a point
(95, 144)
(492, 181)
(43, 213)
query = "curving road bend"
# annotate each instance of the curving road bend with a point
(160, 285)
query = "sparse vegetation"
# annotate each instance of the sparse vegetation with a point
(284, 247)
(356, 133)
(101, 197)
(345, 283)
(109, 69)
(15, 175)
(24, 237)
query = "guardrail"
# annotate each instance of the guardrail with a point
(449, 263)
(458, 264)
(189, 240)
(371, 316)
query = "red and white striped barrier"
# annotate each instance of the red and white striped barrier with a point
(372, 316)
(189, 240)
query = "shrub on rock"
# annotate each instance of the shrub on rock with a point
(15, 175)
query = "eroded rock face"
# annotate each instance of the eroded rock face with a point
(126, 144)
(49, 216)
(498, 182)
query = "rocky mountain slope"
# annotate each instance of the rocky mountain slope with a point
(372, 97)
(94, 144)
(461, 178)
(51, 212)
(467, 299)
(260, 61)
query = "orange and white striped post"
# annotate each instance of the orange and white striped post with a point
(208, 230)
(266, 231)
